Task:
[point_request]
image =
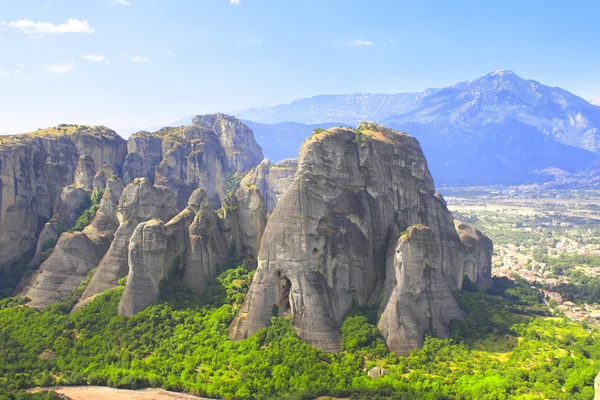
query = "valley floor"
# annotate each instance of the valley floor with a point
(106, 393)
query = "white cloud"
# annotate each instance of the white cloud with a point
(97, 58)
(15, 71)
(135, 58)
(392, 40)
(236, 2)
(40, 29)
(60, 68)
(359, 42)
(119, 3)
(171, 53)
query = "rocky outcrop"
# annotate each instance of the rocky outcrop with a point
(272, 180)
(326, 243)
(203, 155)
(139, 202)
(147, 266)
(85, 173)
(74, 255)
(478, 255)
(236, 138)
(189, 247)
(208, 248)
(417, 298)
(34, 169)
(70, 262)
(72, 200)
(104, 174)
(144, 153)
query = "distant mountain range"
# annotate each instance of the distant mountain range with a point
(498, 128)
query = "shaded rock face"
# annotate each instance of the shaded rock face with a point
(144, 155)
(70, 262)
(34, 168)
(208, 248)
(139, 202)
(327, 241)
(417, 298)
(70, 201)
(189, 247)
(74, 255)
(147, 251)
(272, 180)
(236, 138)
(104, 174)
(85, 173)
(185, 158)
(478, 255)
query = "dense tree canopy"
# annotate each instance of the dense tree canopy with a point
(180, 343)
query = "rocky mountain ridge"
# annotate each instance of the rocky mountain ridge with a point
(501, 128)
(354, 220)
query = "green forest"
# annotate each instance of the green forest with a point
(506, 348)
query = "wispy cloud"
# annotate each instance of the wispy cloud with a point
(359, 42)
(97, 58)
(60, 68)
(119, 3)
(169, 52)
(392, 40)
(15, 71)
(40, 29)
(236, 2)
(133, 58)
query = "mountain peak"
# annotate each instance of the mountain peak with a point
(503, 73)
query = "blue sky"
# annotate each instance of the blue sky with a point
(139, 63)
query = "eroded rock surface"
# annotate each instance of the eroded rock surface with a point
(74, 255)
(139, 202)
(417, 297)
(478, 255)
(327, 241)
(34, 169)
(147, 251)
(272, 180)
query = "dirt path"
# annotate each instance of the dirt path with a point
(105, 393)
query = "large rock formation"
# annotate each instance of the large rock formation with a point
(189, 247)
(272, 180)
(34, 169)
(203, 155)
(417, 298)
(326, 243)
(147, 251)
(478, 255)
(208, 248)
(74, 255)
(140, 202)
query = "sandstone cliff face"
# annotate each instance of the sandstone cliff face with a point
(479, 250)
(417, 297)
(139, 202)
(327, 241)
(236, 138)
(188, 157)
(208, 248)
(188, 247)
(34, 169)
(74, 255)
(147, 251)
(272, 180)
